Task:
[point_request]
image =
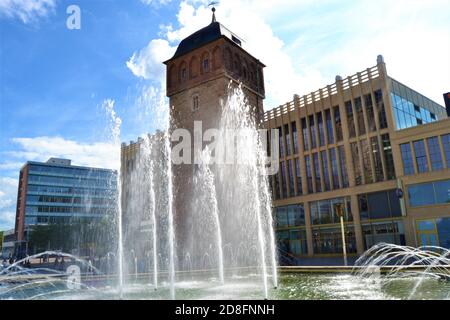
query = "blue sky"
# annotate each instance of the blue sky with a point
(55, 81)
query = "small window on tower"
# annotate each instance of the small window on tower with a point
(183, 74)
(195, 103)
(206, 65)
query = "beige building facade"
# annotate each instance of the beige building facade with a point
(371, 143)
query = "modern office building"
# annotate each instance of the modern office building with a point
(56, 192)
(372, 144)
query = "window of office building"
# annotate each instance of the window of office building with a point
(381, 109)
(321, 129)
(370, 113)
(376, 154)
(291, 179)
(407, 114)
(360, 115)
(421, 156)
(276, 185)
(432, 193)
(305, 135)
(343, 163)
(316, 165)
(446, 144)
(290, 216)
(435, 154)
(379, 232)
(292, 242)
(288, 139)
(283, 179)
(334, 168)
(388, 158)
(299, 177)
(379, 205)
(356, 165)
(337, 123)
(330, 134)
(312, 127)
(434, 232)
(365, 151)
(350, 119)
(326, 175)
(329, 240)
(294, 136)
(324, 212)
(408, 164)
(281, 142)
(309, 179)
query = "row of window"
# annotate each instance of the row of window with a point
(372, 206)
(322, 212)
(379, 205)
(408, 114)
(235, 63)
(326, 127)
(292, 241)
(328, 240)
(363, 109)
(432, 193)
(328, 165)
(33, 179)
(70, 200)
(379, 232)
(88, 173)
(57, 209)
(72, 191)
(335, 157)
(326, 170)
(418, 162)
(54, 220)
(365, 152)
(325, 211)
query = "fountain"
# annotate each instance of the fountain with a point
(231, 252)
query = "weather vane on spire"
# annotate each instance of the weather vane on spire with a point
(213, 9)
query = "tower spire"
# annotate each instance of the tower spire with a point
(213, 9)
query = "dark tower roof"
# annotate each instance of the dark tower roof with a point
(210, 33)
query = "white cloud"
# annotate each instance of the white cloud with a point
(148, 62)
(306, 43)
(26, 10)
(8, 192)
(155, 2)
(98, 154)
(8, 196)
(7, 220)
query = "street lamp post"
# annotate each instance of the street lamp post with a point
(340, 211)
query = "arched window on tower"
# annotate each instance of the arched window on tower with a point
(216, 58)
(172, 81)
(193, 67)
(205, 63)
(237, 64)
(183, 72)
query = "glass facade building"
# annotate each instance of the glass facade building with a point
(56, 192)
(353, 149)
(411, 109)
